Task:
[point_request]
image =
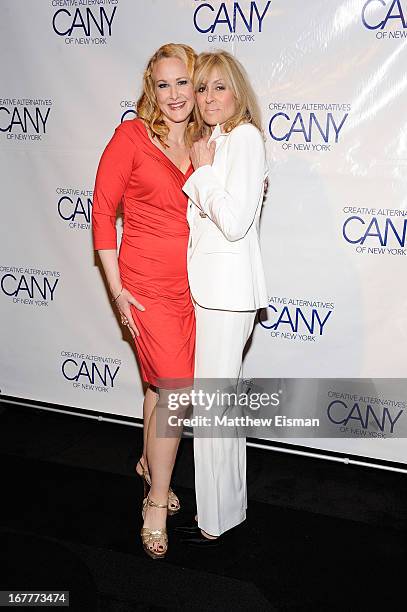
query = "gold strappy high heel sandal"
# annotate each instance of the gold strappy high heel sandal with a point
(173, 502)
(145, 476)
(149, 537)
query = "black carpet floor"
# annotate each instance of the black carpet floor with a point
(319, 536)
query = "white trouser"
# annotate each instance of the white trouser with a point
(220, 463)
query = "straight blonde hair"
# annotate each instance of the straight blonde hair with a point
(147, 107)
(247, 108)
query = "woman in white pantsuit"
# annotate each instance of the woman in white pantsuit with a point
(225, 269)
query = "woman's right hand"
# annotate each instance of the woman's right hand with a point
(201, 154)
(123, 303)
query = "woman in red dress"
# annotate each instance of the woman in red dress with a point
(145, 165)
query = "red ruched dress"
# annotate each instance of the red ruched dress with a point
(153, 251)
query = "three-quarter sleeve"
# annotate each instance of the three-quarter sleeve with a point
(232, 204)
(113, 174)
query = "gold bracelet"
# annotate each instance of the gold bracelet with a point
(114, 299)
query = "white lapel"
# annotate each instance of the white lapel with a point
(217, 136)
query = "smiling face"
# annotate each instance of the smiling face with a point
(215, 98)
(173, 89)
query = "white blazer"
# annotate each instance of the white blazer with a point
(225, 268)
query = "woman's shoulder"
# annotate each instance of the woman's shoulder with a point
(134, 129)
(246, 134)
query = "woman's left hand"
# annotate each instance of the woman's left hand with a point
(201, 154)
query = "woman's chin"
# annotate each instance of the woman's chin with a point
(178, 117)
(211, 121)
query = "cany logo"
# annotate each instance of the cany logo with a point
(385, 17)
(84, 25)
(29, 286)
(230, 21)
(361, 417)
(75, 207)
(127, 109)
(25, 118)
(90, 372)
(292, 319)
(375, 231)
(307, 127)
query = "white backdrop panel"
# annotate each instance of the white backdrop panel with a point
(332, 91)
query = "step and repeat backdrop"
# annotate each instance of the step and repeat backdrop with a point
(331, 81)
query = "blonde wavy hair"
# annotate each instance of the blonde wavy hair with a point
(247, 108)
(147, 107)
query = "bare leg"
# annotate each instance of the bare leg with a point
(161, 454)
(150, 400)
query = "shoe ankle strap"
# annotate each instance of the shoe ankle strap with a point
(153, 504)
